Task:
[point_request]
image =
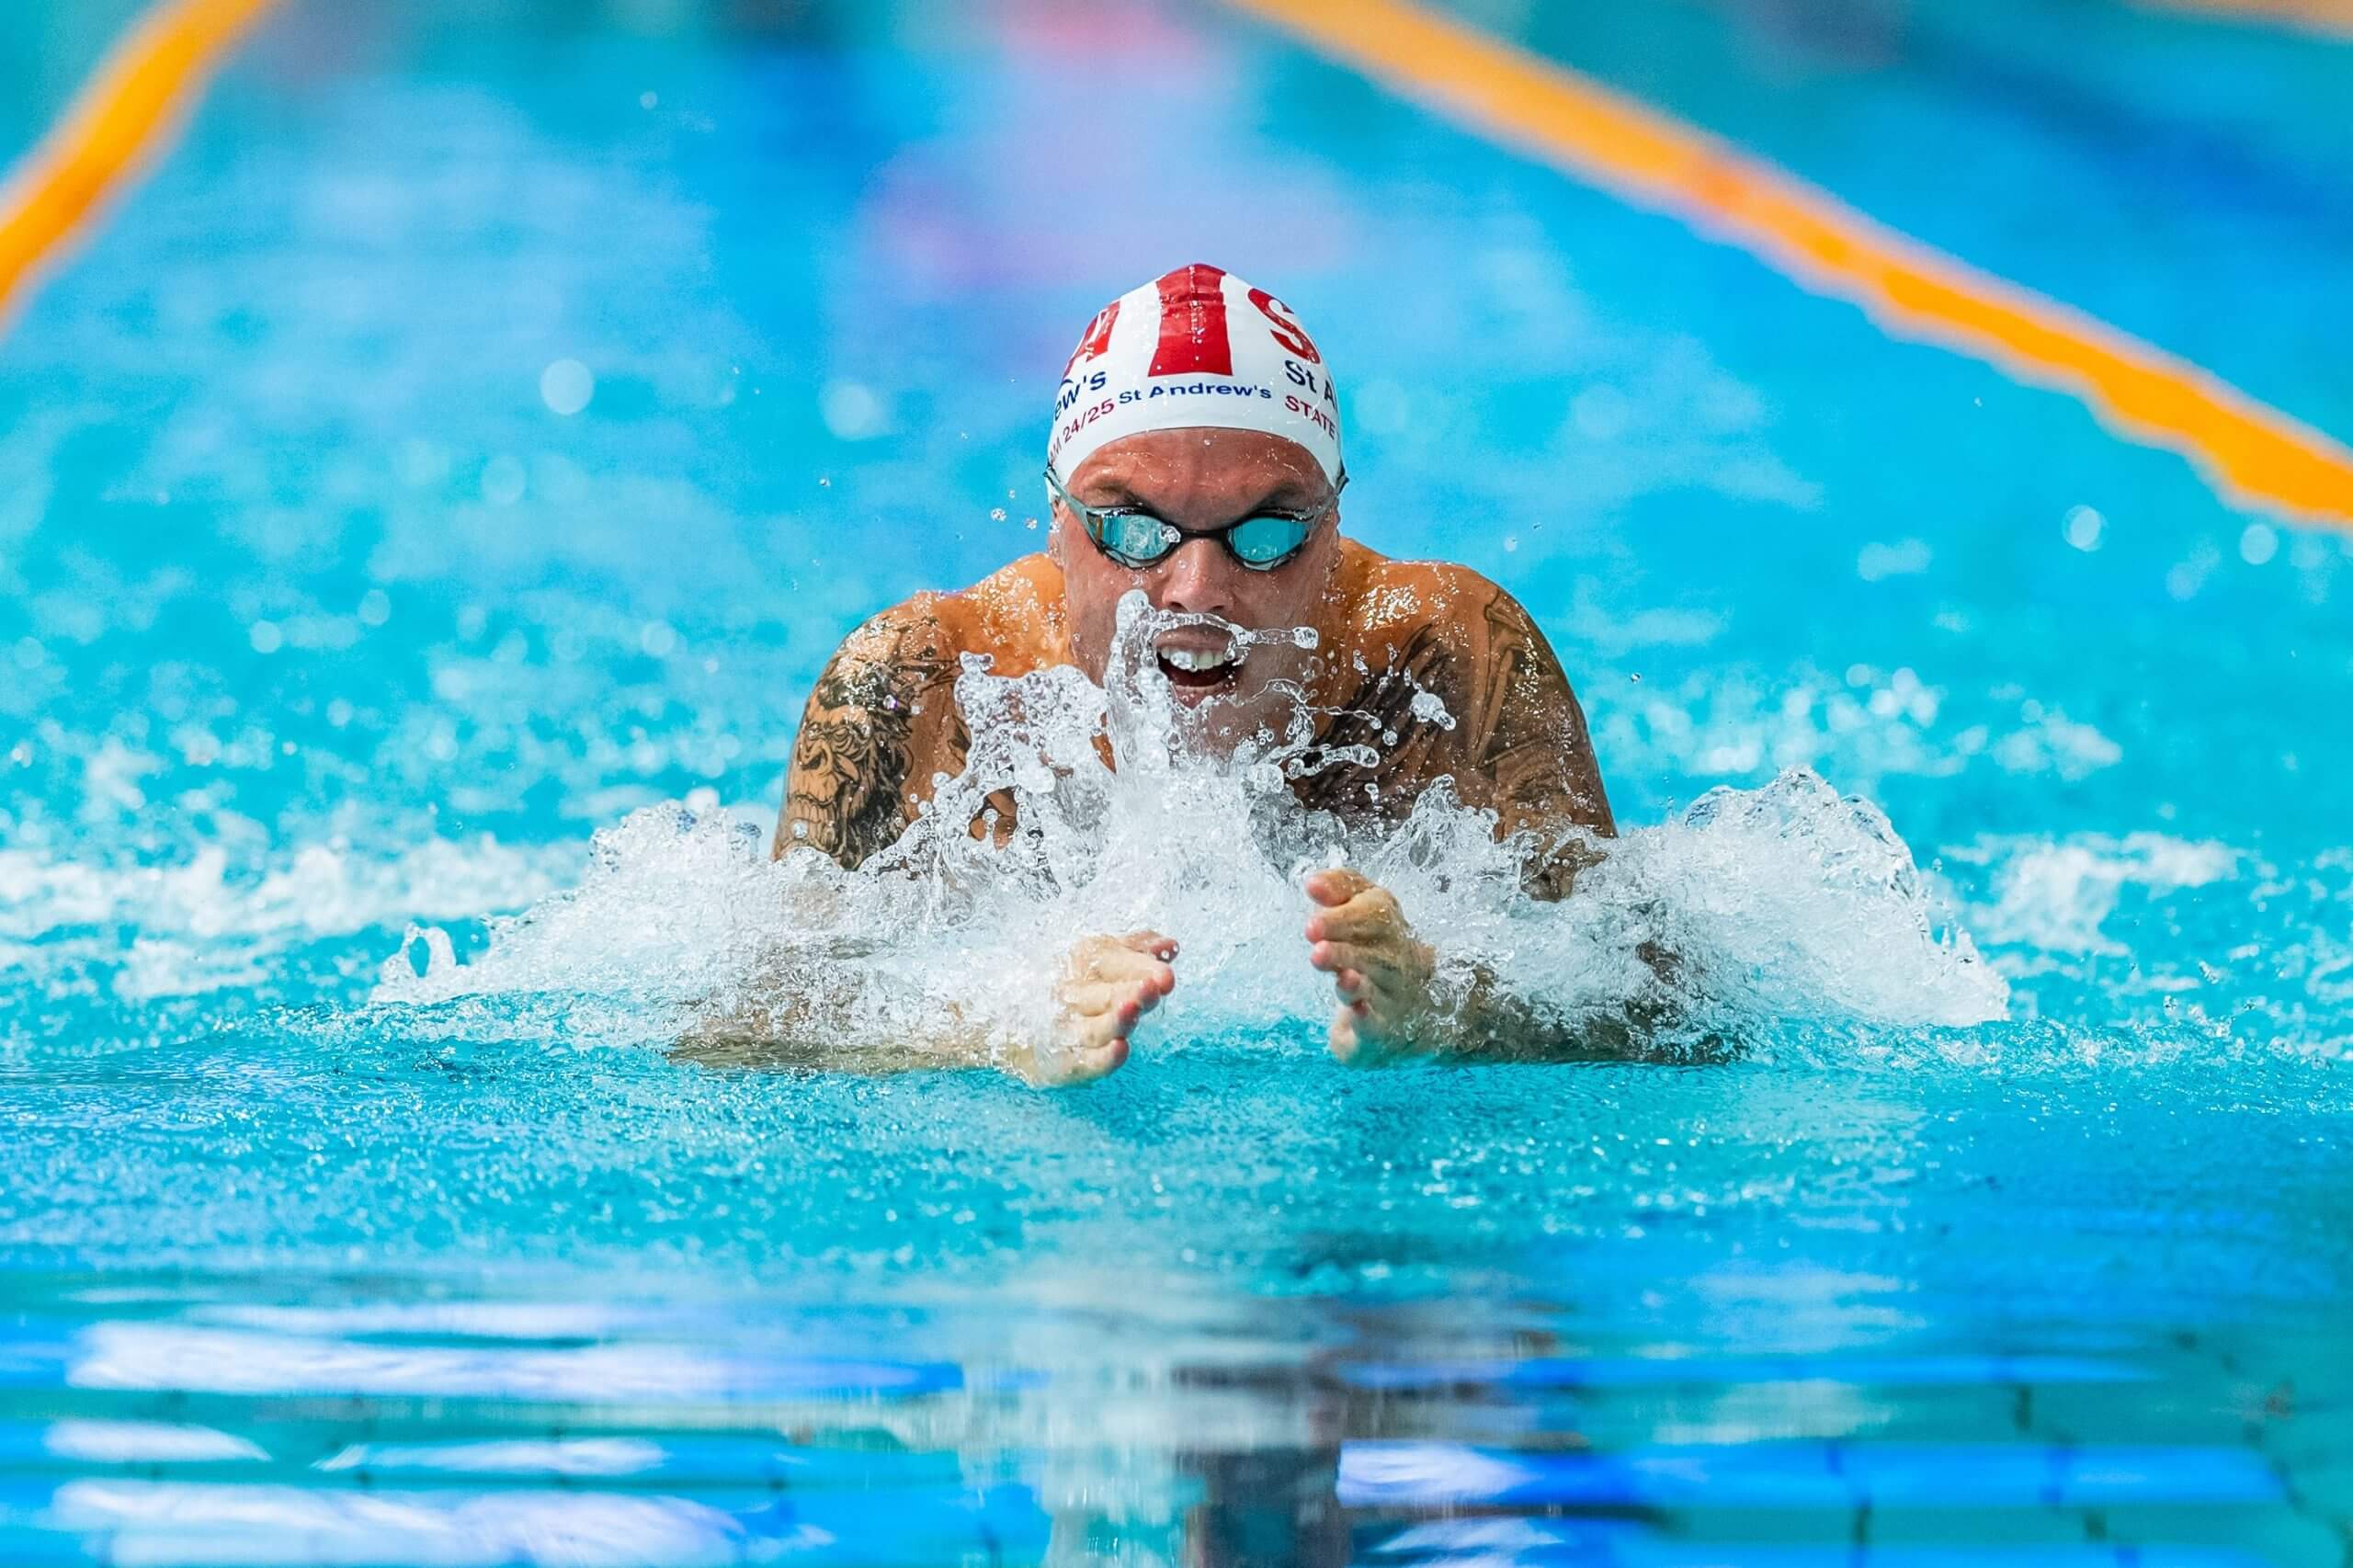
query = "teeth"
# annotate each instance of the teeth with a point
(1195, 661)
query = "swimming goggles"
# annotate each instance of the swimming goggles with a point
(1136, 539)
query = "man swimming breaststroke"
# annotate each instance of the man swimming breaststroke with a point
(1196, 457)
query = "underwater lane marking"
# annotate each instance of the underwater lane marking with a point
(2251, 453)
(131, 110)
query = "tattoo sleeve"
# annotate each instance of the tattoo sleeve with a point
(1528, 735)
(1379, 716)
(1512, 737)
(884, 706)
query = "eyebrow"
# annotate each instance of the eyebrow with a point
(1284, 497)
(1112, 492)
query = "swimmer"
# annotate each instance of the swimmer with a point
(1195, 455)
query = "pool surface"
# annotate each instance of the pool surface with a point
(428, 498)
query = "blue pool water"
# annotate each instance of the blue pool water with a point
(341, 1222)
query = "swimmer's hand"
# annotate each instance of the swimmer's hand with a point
(1107, 985)
(1380, 970)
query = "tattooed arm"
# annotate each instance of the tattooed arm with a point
(1518, 747)
(1511, 736)
(882, 716)
(1523, 740)
(880, 723)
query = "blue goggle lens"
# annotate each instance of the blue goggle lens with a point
(1140, 539)
(1135, 537)
(1262, 541)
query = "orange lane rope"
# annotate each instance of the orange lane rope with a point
(2253, 454)
(130, 110)
(2334, 18)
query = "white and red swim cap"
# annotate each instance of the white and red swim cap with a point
(1194, 347)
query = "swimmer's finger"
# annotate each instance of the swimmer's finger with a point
(1336, 887)
(1334, 957)
(1096, 1032)
(1123, 966)
(1069, 1063)
(1344, 1040)
(1126, 1000)
(1360, 919)
(1355, 1039)
(1108, 1058)
(1093, 998)
(1151, 942)
(1149, 975)
(1120, 959)
(1089, 953)
(1082, 1064)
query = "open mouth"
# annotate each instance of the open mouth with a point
(1198, 673)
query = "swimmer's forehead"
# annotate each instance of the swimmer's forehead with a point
(1270, 468)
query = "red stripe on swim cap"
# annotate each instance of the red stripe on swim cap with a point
(1097, 339)
(1193, 340)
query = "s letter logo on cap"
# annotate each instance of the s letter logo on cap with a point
(1287, 330)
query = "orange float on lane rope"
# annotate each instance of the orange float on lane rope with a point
(2253, 454)
(129, 112)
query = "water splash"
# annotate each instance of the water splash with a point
(1781, 904)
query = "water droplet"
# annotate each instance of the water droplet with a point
(851, 410)
(567, 386)
(2084, 527)
(503, 480)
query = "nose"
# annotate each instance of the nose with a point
(1196, 579)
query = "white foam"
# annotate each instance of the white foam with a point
(2056, 896)
(1781, 902)
(208, 923)
(1868, 725)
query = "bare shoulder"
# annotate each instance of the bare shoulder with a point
(1512, 734)
(1014, 615)
(882, 721)
(1434, 602)
(887, 649)
(1013, 609)
(880, 715)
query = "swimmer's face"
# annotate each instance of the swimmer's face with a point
(1197, 479)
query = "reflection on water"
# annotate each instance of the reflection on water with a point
(204, 1425)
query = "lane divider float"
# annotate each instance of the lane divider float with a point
(126, 116)
(2254, 455)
